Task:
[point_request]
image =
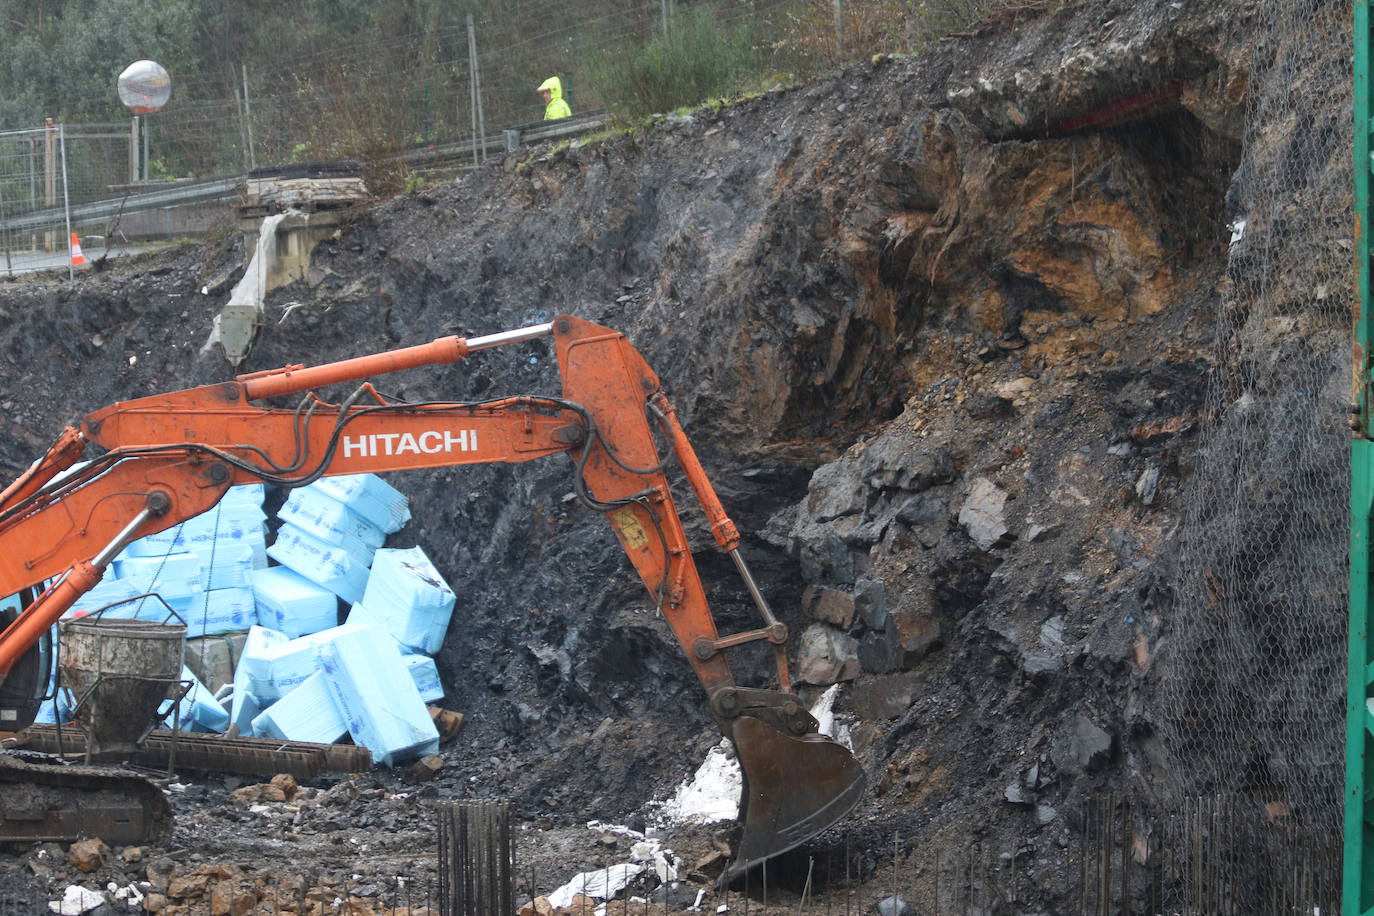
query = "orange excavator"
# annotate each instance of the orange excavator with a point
(138, 467)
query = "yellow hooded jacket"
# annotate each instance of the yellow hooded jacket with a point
(557, 108)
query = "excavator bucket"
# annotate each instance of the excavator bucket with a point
(794, 788)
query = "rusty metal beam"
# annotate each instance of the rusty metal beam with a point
(247, 756)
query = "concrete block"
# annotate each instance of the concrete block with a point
(214, 658)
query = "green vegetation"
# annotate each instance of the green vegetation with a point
(696, 59)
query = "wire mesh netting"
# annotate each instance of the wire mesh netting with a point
(1253, 682)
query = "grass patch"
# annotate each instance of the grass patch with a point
(698, 58)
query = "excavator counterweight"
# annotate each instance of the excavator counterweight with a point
(168, 457)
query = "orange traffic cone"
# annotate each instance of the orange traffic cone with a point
(77, 257)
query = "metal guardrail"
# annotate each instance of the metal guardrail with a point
(207, 190)
(507, 140)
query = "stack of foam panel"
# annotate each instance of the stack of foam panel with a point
(330, 531)
(309, 689)
(199, 710)
(408, 598)
(202, 567)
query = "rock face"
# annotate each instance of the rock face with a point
(939, 329)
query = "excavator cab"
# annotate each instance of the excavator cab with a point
(23, 688)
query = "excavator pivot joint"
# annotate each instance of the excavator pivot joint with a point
(570, 434)
(159, 502)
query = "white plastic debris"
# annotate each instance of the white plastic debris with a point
(131, 895)
(76, 900)
(824, 711)
(650, 852)
(602, 884)
(713, 792)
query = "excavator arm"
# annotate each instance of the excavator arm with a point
(166, 458)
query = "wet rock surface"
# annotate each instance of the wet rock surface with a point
(940, 336)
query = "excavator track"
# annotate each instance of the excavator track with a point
(42, 802)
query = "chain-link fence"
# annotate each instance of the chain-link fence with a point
(49, 177)
(34, 221)
(1253, 683)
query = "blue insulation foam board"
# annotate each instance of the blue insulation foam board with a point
(329, 520)
(406, 594)
(307, 713)
(200, 711)
(245, 707)
(172, 576)
(251, 669)
(378, 699)
(292, 604)
(328, 565)
(111, 590)
(223, 525)
(220, 610)
(369, 496)
(425, 674)
(226, 566)
(281, 668)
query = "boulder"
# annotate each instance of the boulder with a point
(892, 463)
(907, 636)
(982, 514)
(88, 855)
(870, 603)
(829, 605)
(826, 656)
(1084, 748)
(836, 490)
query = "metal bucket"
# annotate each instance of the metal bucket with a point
(120, 672)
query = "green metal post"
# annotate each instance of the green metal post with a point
(1358, 868)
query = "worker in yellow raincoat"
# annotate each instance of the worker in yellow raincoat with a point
(554, 106)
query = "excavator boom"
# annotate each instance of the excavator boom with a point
(169, 457)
